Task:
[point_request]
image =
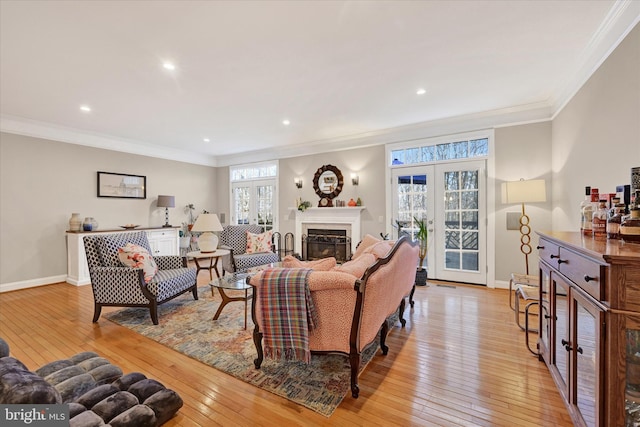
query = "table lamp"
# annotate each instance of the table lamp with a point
(205, 224)
(522, 192)
(166, 202)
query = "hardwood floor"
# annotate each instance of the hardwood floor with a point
(460, 361)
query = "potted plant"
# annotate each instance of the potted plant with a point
(189, 209)
(421, 237)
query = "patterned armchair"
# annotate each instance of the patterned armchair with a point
(116, 285)
(234, 238)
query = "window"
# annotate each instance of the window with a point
(253, 194)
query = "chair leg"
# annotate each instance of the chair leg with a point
(401, 313)
(354, 358)
(194, 291)
(153, 311)
(383, 337)
(97, 309)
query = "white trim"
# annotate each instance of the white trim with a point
(27, 127)
(623, 16)
(32, 283)
(333, 215)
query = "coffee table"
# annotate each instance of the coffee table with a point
(236, 282)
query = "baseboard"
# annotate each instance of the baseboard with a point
(25, 284)
(501, 284)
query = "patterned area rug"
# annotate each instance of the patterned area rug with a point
(187, 326)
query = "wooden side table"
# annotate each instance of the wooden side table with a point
(213, 261)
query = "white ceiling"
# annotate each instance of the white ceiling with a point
(336, 69)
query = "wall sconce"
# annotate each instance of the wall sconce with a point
(298, 182)
(354, 179)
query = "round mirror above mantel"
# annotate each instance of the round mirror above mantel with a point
(327, 183)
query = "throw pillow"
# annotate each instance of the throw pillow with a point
(356, 267)
(380, 249)
(136, 256)
(324, 264)
(366, 241)
(259, 242)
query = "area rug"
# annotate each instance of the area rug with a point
(187, 326)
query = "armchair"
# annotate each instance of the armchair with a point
(234, 238)
(116, 285)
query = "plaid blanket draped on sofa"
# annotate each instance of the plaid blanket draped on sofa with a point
(288, 313)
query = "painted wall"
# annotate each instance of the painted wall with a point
(596, 137)
(521, 152)
(44, 181)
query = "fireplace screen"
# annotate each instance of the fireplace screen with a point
(320, 243)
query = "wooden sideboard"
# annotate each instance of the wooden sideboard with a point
(163, 241)
(590, 325)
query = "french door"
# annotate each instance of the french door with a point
(254, 202)
(452, 198)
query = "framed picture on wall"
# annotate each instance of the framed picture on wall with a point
(122, 185)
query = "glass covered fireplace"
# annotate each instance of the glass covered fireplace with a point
(322, 243)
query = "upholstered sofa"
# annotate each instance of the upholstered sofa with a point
(95, 391)
(354, 301)
(140, 284)
(234, 238)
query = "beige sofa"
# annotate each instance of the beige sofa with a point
(353, 301)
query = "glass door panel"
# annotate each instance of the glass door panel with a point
(254, 202)
(463, 220)
(264, 205)
(241, 204)
(456, 225)
(588, 319)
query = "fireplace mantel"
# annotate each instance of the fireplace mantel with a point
(347, 215)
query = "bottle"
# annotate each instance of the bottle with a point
(583, 204)
(630, 226)
(614, 220)
(588, 212)
(599, 222)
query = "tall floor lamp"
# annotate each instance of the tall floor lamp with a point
(531, 191)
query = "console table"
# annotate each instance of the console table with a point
(589, 325)
(163, 241)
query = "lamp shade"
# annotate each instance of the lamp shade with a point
(531, 191)
(166, 202)
(205, 224)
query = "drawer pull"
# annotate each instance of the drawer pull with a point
(539, 247)
(552, 256)
(588, 278)
(560, 261)
(565, 343)
(579, 350)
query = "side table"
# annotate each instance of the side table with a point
(236, 282)
(213, 260)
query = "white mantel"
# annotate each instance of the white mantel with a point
(347, 215)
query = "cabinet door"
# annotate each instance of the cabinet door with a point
(544, 338)
(623, 336)
(560, 344)
(586, 361)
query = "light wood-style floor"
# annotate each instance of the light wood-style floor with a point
(461, 361)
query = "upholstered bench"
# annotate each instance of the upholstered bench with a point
(95, 390)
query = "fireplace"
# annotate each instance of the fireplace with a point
(329, 218)
(322, 243)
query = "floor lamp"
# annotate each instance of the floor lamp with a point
(531, 191)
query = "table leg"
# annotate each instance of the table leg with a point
(215, 266)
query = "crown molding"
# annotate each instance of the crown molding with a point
(36, 129)
(621, 19)
(510, 116)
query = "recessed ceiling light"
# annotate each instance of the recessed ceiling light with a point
(421, 91)
(85, 108)
(206, 140)
(286, 122)
(169, 66)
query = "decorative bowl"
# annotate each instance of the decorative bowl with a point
(129, 226)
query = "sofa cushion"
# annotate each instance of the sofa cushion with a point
(366, 241)
(135, 256)
(257, 243)
(324, 264)
(357, 266)
(380, 249)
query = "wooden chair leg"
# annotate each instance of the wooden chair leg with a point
(354, 359)
(97, 309)
(153, 310)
